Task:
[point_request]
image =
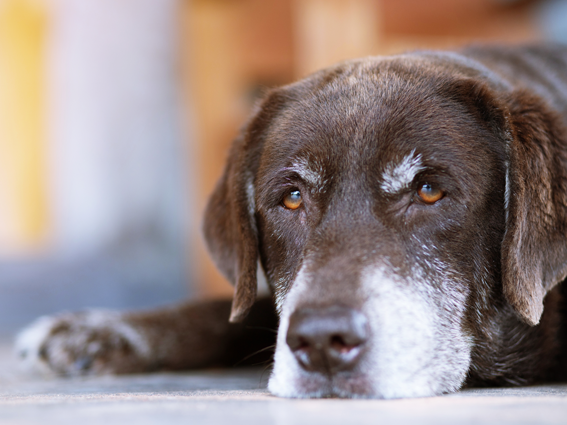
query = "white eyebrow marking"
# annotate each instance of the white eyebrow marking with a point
(310, 172)
(400, 176)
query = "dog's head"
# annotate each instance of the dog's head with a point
(395, 205)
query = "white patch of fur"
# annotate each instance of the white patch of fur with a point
(280, 290)
(263, 287)
(31, 339)
(417, 347)
(311, 173)
(286, 369)
(251, 196)
(396, 178)
(28, 344)
(416, 352)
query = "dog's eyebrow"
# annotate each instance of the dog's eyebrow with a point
(310, 172)
(400, 176)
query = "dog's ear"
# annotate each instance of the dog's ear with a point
(230, 232)
(230, 224)
(534, 249)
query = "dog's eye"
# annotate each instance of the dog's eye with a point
(429, 194)
(292, 200)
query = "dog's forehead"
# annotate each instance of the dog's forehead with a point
(384, 119)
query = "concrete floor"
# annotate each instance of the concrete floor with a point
(239, 397)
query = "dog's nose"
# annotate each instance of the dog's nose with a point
(327, 339)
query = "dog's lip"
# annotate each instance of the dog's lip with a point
(338, 385)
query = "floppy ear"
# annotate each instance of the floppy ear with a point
(534, 249)
(230, 225)
(230, 233)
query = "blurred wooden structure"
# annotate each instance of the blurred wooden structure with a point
(233, 48)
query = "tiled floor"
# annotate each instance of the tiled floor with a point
(239, 397)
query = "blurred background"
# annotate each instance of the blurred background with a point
(115, 118)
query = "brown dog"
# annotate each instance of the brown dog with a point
(409, 214)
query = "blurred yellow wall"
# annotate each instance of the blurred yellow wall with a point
(23, 212)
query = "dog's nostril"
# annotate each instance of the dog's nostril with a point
(302, 345)
(338, 344)
(327, 339)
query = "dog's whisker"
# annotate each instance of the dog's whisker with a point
(270, 347)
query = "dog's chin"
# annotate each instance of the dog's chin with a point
(347, 385)
(316, 385)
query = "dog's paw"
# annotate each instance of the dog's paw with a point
(86, 343)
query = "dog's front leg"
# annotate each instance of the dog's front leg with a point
(186, 336)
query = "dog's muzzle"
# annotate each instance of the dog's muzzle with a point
(327, 340)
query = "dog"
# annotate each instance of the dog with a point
(409, 214)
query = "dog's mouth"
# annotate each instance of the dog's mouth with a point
(338, 385)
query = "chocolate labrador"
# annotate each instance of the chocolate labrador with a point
(408, 213)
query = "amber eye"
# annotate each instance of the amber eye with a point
(292, 200)
(429, 194)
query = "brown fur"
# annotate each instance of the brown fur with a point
(504, 110)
